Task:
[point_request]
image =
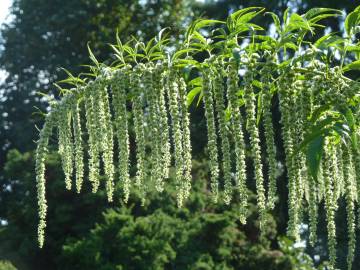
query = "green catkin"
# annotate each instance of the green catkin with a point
(269, 137)
(40, 157)
(108, 137)
(320, 185)
(356, 157)
(186, 138)
(339, 187)
(249, 97)
(211, 130)
(350, 191)
(286, 104)
(297, 130)
(155, 128)
(164, 127)
(236, 124)
(307, 102)
(218, 92)
(355, 153)
(313, 210)
(330, 204)
(99, 117)
(308, 89)
(118, 88)
(78, 145)
(336, 174)
(139, 120)
(173, 94)
(93, 150)
(152, 80)
(65, 140)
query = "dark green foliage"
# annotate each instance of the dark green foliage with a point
(199, 236)
(157, 235)
(73, 215)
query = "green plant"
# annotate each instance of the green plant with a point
(150, 86)
(5, 265)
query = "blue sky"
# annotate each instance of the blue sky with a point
(4, 9)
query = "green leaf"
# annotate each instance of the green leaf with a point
(159, 36)
(205, 23)
(286, 15)
(257, 83)
(228, 114)
(313, 21)
(352, 48)
(237, 22)
(192, 94)
(322, 128)
(297, 22)
(196, 82)
(350, 118)
(314, 154)
(92, 56)
(247, 17)
(328, 41)
(312, 13)
(184, 51)
(276, 21)
(352, 66)
(149, 45)
(240, 12)
(352, 19)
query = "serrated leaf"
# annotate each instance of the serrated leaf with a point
(317, 14)
(276, 21)
(311, 13)
(247, 17)
(297, 22)
(205, 23)
(234, 16)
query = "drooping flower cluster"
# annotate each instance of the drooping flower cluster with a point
(152, 99)
(237, 129)
(256, 104)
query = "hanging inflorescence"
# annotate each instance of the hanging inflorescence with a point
(243, 91)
